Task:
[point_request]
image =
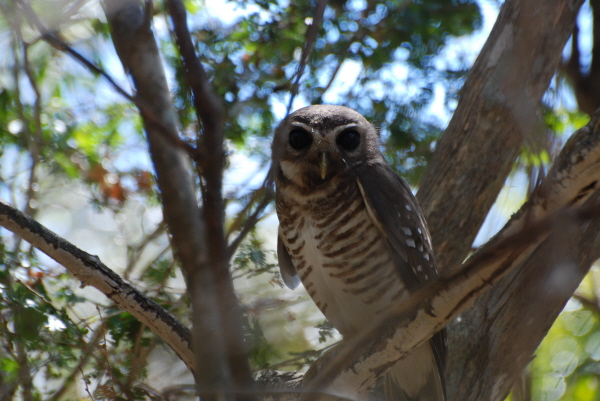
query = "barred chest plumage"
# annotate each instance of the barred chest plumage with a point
(341, 257)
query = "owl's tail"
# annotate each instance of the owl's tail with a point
(416, 378)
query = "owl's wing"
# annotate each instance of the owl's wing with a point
(398, 215)
(286, 267)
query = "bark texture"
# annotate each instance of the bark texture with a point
(491, 343)
(210, 159)
(497, 113)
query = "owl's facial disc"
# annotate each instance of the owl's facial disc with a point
(317, 153)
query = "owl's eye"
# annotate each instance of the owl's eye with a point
(300, 139)
(349, 139)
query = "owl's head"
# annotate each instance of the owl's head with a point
(316, 143)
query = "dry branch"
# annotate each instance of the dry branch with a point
(91, 271)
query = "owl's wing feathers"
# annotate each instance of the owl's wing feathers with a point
(397, 213)
(286, 267)
(390, 201)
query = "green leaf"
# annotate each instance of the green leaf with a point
(28, 322)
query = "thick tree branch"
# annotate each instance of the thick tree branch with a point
(364, 358)
(497, 111)
(212, 157)
(137, 49)
(490, 331)
(90, 271)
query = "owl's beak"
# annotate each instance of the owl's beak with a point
(323, 165)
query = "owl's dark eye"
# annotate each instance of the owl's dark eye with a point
(348, 140)
(300, 139)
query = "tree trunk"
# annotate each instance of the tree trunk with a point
(498, 111)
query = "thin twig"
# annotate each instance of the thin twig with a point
(35, 138)
(311, 37)
(83, 360)
(87, 388)
(341, 61)
(256, 195)
(137, 252)
(267, 195)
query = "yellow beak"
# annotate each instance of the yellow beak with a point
(324, 162)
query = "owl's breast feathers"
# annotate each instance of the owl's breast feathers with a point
(338, 251)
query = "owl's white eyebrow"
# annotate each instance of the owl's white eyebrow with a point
(310, 128)
(302, 125)
(343, 127)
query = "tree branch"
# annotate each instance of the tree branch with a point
(498, 109)
(536, 291)
(221, 362)
(266, 192)
(366, 357)
(212, 157)
(311, 37)
(90, 271)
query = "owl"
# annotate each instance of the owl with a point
(351, 231)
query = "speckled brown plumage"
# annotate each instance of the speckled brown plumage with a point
(352, 232)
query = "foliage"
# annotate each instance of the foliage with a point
(390, 44)
(567, 364)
